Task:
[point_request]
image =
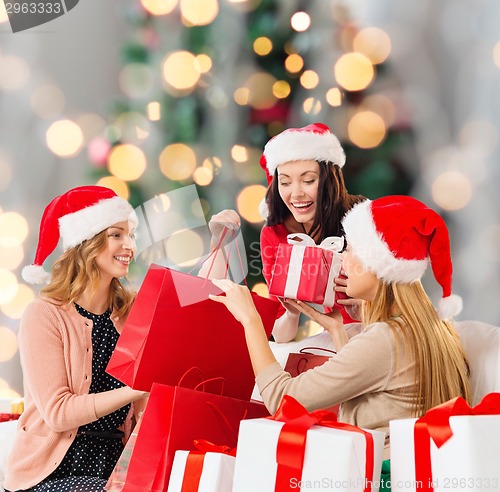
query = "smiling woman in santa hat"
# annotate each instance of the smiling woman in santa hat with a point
(306, 194)
(408, 357)
(70, 434)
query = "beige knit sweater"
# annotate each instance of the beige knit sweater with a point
(55, 345)
(371, 376)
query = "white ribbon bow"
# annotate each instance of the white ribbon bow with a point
(332, 243)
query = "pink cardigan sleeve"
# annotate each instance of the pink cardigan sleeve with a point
(48, 362)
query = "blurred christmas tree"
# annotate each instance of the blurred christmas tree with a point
(207, 82)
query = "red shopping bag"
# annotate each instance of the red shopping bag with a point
(173, 419)
(174, 326)
(116, 480)
(302, 361)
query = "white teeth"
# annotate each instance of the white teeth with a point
(125, 259)
(301, 205)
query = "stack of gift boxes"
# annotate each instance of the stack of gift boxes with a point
(201, 438)
(11, 408)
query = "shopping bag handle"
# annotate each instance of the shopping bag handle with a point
(301, 351)
(202, 381)
(211, 380)
(299, 367)
(302, 361)
(187, 373)
(239, 257)
(214, 254)
(220, 413)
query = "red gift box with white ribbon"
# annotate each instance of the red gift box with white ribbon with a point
(305, 270)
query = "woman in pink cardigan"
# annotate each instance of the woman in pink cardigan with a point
(70, 434)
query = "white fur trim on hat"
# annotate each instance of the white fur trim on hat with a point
(263, 209)
(86, 223)
(368, 245)
(450, 306)
(303, 145)
(35, 274)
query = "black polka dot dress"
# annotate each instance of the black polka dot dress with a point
(93, 454)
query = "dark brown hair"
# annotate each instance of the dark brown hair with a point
(333, 202)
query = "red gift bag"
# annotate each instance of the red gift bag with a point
(173, 419)
(118, 476)
(174, 326)
(302, 361)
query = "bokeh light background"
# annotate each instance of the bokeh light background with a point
(61, 125)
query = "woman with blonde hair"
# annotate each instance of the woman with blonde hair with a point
(70, 434)
(407, 358)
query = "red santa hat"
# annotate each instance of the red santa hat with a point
(395, 237)
(76, 216)
(314, 141)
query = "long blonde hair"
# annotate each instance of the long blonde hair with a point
(76, 269)
(441, 367)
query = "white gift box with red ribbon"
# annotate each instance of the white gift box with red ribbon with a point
(470, 460)
(452, 447)
(208, 472)
(290, 452)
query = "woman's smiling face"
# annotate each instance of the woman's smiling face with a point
(298, 187)
(114, 260)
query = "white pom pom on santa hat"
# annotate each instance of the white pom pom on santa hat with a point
(35, 274)
(263, 209)
(450, 306)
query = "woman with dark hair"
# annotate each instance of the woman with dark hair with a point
(306, 194)
(332, 202)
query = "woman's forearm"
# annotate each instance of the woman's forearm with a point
(109, 401)
(285, 327)
(339, 337)
(261, 354)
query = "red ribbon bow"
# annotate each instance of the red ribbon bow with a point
(292, 441)
(435, 425)
(194, 463)
(209, 447)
